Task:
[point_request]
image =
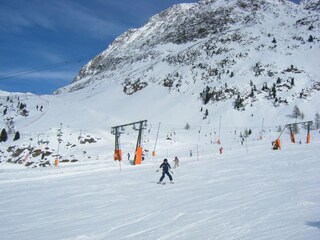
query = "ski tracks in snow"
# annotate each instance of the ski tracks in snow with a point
(229, 197)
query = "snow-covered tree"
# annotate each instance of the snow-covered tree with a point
(296, 112)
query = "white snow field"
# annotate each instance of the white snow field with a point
(245, 193)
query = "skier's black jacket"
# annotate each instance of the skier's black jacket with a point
(165, 167)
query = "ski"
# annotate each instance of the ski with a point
(163, 183)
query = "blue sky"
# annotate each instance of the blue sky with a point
(59, 36)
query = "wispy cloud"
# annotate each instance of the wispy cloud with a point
(18, 18)
(83, 20)
(53, 75)
(56, 16)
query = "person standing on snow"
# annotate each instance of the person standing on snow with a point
(165, 170)
(176, 162)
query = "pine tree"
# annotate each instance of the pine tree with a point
(296, 112)
(246, 133)
(278, 80)
(310, 39)
(3, 135)
(252, 93)
(16, 136)
(254, 87)
(239, 102)
(274, 91)
(206, 113)
(264, 86)
(295, 128)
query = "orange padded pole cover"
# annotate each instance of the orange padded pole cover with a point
(117, 155)
(278, 143)
(138, 155)
(292, 137)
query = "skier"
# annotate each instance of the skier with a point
(220, 150)
(165, 171)
(176, 162)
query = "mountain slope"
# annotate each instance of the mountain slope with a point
(245, 62)
(222, 49)
(313, 5)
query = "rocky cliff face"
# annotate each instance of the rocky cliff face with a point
(220, 49)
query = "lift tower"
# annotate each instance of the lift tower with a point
(118, 130)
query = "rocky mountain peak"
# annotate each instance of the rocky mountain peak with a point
(216, 47)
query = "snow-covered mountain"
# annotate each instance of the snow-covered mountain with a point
(190, 64)
(219, 50)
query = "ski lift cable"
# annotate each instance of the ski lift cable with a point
(38, 69)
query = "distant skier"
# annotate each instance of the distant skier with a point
(176, 162)
(165, 171)
(220, 150)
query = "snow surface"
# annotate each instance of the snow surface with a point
(245, 193)
(248, 192)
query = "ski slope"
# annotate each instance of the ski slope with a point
(245, 193)
(248, 192)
